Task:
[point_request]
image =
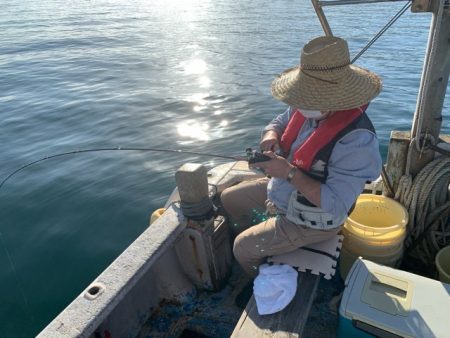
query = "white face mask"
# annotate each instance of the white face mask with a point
(312, 114)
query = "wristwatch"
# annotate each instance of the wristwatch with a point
(291, 174)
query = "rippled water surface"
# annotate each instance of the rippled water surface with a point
(181, 74)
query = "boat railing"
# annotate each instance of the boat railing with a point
(352, 2)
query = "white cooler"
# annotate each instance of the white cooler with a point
(385, 302)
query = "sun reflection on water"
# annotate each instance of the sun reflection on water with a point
(204, 81)
(199, 108)
(195, 66)
(198, 98)
(194, 130)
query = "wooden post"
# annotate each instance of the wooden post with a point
(397, 154)
(431, 98)
(396, 157)
(204, 247)
(192, 183)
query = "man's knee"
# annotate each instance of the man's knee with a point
(238, 251)
(243, 246)
(244, 252)
(236, 206)
(228, 198)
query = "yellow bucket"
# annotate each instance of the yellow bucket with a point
(372, 247)
(156, 214)
(374, 230)
(442, 261)
(347, 258)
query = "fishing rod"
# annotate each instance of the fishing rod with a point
(252, 156)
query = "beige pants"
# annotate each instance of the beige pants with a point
(245, 204)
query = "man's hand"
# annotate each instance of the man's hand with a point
(269, 141)
(277, 167)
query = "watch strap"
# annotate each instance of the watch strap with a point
(291, 174)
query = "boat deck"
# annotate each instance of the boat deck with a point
(212, 314)
(208, 314)
(290, 322)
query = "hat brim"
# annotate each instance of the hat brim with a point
(301, 90)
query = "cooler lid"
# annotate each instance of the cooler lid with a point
(392, 295)
(396, 301)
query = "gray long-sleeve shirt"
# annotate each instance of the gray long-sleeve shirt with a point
(354, 160)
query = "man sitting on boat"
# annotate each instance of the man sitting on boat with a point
(328, 151)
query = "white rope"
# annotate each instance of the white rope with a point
(428, 204)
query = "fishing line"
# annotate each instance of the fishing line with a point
(235, 158)
(3, 245)
(16, 276)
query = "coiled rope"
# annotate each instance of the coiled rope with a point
(199, 211)
(426, 199)
(427, 196)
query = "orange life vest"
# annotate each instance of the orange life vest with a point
(322, 136)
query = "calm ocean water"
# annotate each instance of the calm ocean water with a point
(182, 74)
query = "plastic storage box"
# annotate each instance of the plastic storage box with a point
(385, 302)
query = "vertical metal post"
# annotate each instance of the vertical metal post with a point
(322, 18)
(428, 115)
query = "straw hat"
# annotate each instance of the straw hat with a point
(325, 79)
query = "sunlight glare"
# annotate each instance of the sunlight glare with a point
(194, 129)
(198, 98)
(199, 108)
(204, 81)
(196, 66)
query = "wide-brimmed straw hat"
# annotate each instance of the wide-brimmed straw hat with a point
(325, 80)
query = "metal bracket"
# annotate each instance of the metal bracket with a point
(419, 6)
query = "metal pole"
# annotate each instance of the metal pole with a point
(428, 116)
(352, 2)
(322, 18)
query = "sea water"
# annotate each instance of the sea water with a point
(182, 74)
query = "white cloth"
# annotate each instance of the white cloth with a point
(274, 287)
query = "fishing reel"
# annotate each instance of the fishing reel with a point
(255, 157)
